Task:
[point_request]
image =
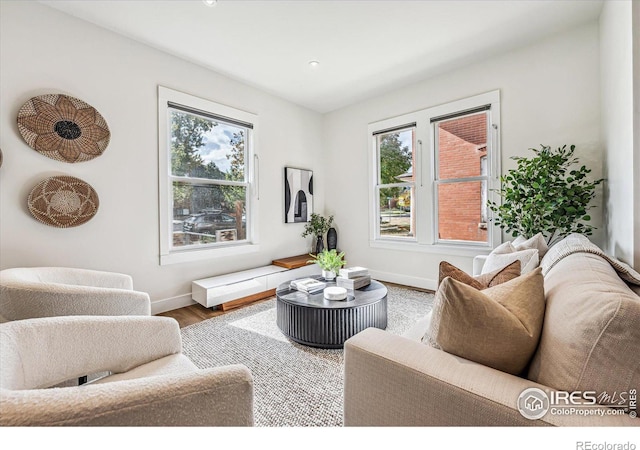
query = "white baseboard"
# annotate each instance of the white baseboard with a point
(168, 304)
(406, 280)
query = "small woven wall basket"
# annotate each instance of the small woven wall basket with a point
(63, 128)
(63, 202)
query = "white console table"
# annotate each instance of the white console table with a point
(238, 288)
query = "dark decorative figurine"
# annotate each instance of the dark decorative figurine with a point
(332, 239)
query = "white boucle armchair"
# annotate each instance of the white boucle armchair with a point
(32, 292)
(152, 382)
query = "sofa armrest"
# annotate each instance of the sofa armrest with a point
(478, 264)
(394, 381)
(221, 396)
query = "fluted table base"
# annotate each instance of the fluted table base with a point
(328, 324)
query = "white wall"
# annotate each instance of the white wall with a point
(45, 51)
(549, 95)
(616, 71)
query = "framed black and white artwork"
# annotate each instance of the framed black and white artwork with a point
(298, 195)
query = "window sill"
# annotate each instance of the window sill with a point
(184, 256)
(440, 249)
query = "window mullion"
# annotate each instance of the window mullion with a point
(190, 180)
(387, 186)
(462, 179)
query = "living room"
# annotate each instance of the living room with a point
(570, 77)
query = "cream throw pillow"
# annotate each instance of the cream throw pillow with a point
(538, 242)
(528, 251)
(498, 327)
(504, 248)
(499, 258)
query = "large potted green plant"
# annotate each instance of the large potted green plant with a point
(548, 193)
(330, 261)
(317, 226)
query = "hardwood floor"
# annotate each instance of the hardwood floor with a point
(197, 313)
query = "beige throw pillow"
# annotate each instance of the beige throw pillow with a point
(498, 327)
(479, 282)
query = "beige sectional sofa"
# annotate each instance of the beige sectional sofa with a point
(589, 345)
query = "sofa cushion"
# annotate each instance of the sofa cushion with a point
(480, 282)
(591, 335)
(536, 242)
(498, 327)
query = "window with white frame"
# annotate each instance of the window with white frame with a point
(206, 194)
(433, 172)
(395, 186)
(460, 147)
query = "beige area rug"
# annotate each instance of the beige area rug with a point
(294, 385)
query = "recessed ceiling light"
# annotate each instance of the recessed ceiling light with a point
(314, 63)
(210, 2)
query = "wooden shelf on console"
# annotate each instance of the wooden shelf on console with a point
(246, 300)
(292, 262)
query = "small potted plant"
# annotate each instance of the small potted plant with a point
(330, 261)
(317, 226)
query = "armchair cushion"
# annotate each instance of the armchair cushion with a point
(172, 364)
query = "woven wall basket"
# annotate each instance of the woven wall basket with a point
(63, 128)
(63, 202)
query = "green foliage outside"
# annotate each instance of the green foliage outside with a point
(187, 138)
(235, 194)
(395, 160)
(547, 194)
(329, 260)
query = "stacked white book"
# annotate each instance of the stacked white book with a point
(308, 285)
(353, 277)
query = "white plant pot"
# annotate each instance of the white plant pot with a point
(328, 274)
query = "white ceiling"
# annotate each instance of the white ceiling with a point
(364, 47)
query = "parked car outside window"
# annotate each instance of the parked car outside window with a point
(209, 223)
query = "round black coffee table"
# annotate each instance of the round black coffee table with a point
(315, 321)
